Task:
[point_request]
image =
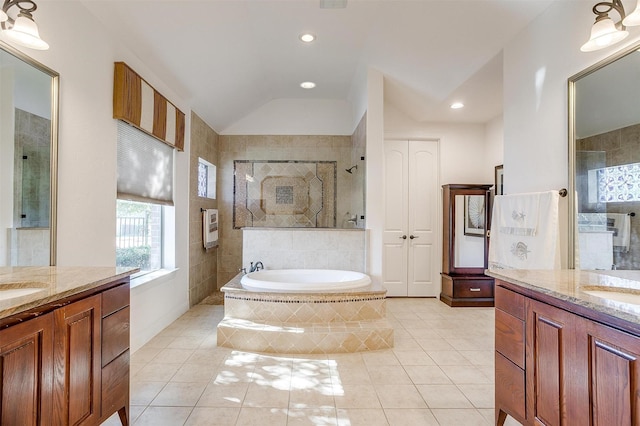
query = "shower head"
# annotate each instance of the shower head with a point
(350, 169)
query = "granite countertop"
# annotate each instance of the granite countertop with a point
(613, 293)
(28, 287)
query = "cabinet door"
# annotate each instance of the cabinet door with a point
(26, 368)
(614, 376)
(77, 359)
(555, 366)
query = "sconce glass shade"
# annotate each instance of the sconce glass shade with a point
(603, 34)
(3, 16)
(25, 32)
(633, 18)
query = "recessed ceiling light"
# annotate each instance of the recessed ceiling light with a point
(307, 37)
(308, 85)
(457, 105)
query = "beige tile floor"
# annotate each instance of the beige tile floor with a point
(440, 372)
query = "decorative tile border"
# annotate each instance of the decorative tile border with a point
(301, 298)
(274, 193)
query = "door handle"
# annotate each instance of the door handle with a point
(413, 237)
(404, 237)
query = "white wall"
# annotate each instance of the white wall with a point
(537, 65)
(296, 117)
(374, 200)
(7, 147)
(463, 147)
(83, 52)
(494, 142)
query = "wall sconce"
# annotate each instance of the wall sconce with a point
(22, 29)
(605, 32)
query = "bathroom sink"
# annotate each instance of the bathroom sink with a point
(12, 293)
(631, 296)
(15, 290)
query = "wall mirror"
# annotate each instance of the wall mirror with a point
(604, 164)
(28, 160)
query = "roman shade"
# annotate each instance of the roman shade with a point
(145, 167)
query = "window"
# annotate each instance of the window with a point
(139, 235)
(206, 179)
(144, 211)
(615, 184)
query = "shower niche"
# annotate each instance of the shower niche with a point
(466, 245)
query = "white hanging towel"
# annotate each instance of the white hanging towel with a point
(620, 224)
(524, 231)
(210, 228)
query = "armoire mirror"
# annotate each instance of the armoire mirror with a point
(28, 154)
(604, 163)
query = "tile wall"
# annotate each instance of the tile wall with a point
(273, 147)
(621, 146)
(29, 246)
(305, 248)
(31, 170)
(203, 264)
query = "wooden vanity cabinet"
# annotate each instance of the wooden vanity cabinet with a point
(69, 365)
(26, 368)
(115, 353)
(77, 363)
(576, 370)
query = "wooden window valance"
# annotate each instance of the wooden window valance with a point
(139, 104)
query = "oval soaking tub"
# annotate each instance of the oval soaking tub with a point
(304, 280)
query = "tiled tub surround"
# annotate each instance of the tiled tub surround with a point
(304, 323)
(293, 248)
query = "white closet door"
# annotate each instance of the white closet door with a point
(424, 196)
(410, 265)
(396, 195)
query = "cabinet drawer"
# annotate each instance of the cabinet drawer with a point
(115, 384)
(115, 335)
(115, 299)
(510, 388)
(510, 337)
(472, 288)
(509, 301)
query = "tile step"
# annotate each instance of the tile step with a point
(305, 338)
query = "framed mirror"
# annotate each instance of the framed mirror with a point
(604, 164)
(28, 160)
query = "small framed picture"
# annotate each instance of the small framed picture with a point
(474, 215)
(499, 178)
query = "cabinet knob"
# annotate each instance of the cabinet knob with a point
(404, 237)
(413, 237)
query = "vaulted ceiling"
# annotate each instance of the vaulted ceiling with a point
(230, 58)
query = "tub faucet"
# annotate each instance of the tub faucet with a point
(258, 266)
